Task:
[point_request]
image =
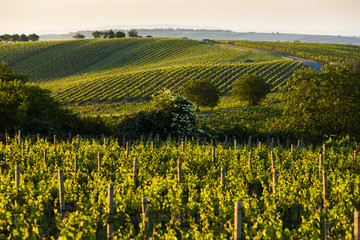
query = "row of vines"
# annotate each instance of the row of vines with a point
(199, 206)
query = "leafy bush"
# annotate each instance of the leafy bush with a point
(169, 113)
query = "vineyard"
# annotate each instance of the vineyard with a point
(324, 52)
(107, 71)
(185, 189)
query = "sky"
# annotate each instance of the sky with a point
(329, 17)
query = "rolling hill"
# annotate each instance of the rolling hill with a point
(133, 69)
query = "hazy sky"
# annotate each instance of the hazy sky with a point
(291, 16)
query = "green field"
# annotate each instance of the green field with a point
(108, 71)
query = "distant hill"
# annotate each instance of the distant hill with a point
(200, 34)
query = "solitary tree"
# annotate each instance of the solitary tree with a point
(79, 36)
(203, 93)
(15, 37)
(111, 33)
(250, 88)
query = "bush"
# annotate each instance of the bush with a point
(250, 88)
(169, 113)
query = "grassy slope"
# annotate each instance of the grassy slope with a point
(108, 70)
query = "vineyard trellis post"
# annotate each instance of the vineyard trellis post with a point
(250, 140)
(135, 170)
(99, 162)
(145, 214)
(355, 158)
(75, 163)
(272, 159)
(326, 221)
(61, 193)
(6, 138)
(320, 166)
(222, 177)
(45, 157)
(55, 143)
(22, 150)
(19, 136)
(213, 154)
(237, 221)
(110, 211)
(274, 183)
(127, 149)
(70, 137)
(356, 226)
(179, 172)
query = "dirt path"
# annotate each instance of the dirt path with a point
(313, 64)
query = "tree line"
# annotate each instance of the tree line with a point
(109, 34)
(19, 37)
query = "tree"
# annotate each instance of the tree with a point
(250, 88)
(96, 34)
(322, 104)
(120, 34)
(79, 36)
(15, 37)
(24, 38)
(111, 33)
(203, 93)
(7, 75)
(33, 37)
(133, 33)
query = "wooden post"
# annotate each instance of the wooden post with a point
(110, 211)
(320, 166)
(182, 146)
(99, 162)
(45, 157)
(55, 142)
(324, 150)
(213, 155)
(152, 146)
(222, 176)
(226, 140)
(104, 142)
(102, 138)
(275, 180)
(124, 140)
(141, 139)
(179, 172)
(127, 149)
(272, 142)
(157, 140)
(38, 137)
(75, 163)
(61, 193)
(250, 158)
(6, 138)
(70, 140)
(19, 136)
(237, 221)
(259, 145)
(135, 170)
(235, 144)
(325, 185)
(292, 151)
(356, 226)
(145, 214)
(17, 180)
(22, 150)
(272, 159)
(355, 158)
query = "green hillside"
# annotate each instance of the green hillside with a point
(113, 70)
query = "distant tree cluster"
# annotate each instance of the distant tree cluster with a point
(19, 38)
(108, 34)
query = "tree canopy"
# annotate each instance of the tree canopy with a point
(250, 88)
(203, 93)
(6, 74)
(322, 104)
